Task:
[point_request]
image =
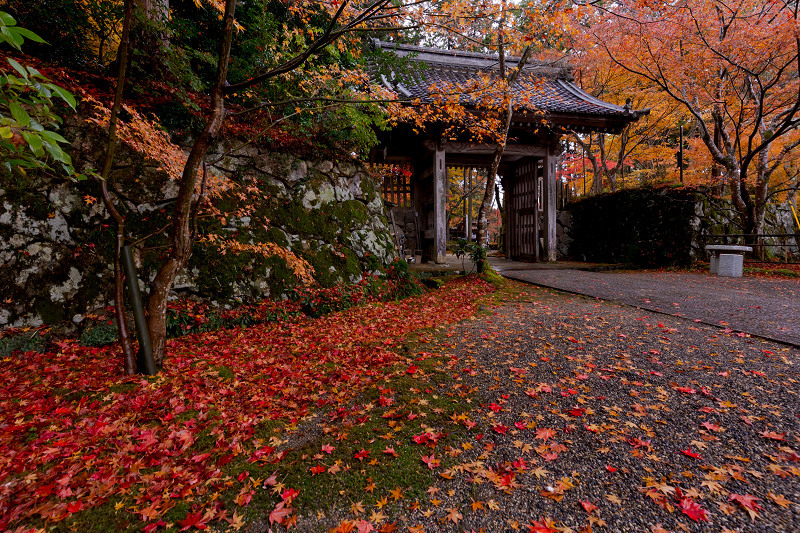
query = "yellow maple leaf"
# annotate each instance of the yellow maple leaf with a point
(357, 508)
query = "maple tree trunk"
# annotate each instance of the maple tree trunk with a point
(180, 237)
(119, 281)
(488, 194)
(501, 235)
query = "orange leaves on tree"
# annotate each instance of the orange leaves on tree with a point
(143, 135)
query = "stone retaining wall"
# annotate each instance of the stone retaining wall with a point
(56, 239)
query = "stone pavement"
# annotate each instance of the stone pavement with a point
(764, 307)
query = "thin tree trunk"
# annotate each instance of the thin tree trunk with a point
(488, 193)
(486, 203)
(119, 278)
(181, 240)
(502, 233)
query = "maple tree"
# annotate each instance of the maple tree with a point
(481, 109)
(342, 19)
(733, 68)
(642, 153)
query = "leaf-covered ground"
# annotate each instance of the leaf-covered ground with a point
(561, 413)
(547, 412)
(84, 448)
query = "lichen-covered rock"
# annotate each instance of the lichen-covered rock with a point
(56, 238)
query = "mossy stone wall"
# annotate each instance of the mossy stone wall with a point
(56, 239)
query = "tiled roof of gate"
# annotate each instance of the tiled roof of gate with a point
(547, 86)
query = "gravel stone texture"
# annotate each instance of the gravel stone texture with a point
(768, 307)
(637, 413)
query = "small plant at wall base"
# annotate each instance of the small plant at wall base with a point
(402, 282)
(473, 250)
(23, 341)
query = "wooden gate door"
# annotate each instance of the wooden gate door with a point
(524, 216)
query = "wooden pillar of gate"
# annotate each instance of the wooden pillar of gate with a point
(439, 205)
(550, 206)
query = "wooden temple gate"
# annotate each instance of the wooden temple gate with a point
(553, 106)
(523, 208)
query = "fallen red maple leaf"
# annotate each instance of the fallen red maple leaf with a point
(389, 450)
(692, 509)
(748, 501)
(290, 494)
(545, 525)
(431, 461)
(690, 453)
(773, 435)
(361, 455)
(279, 514)
(192, 520)
(588, 506)
(545, 434)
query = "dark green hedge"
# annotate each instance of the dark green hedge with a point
(647, 227)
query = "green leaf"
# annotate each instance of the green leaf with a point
(57, 153)
(35, 126)
(11, 37)
(19, 68)
(19, 114)
(7, 19)
(5, 132)
(64, 94)
(30, 35)
(53, 137)
(34, 143)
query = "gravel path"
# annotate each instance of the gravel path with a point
(589, 415)
(761, 306)
(624, 393)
